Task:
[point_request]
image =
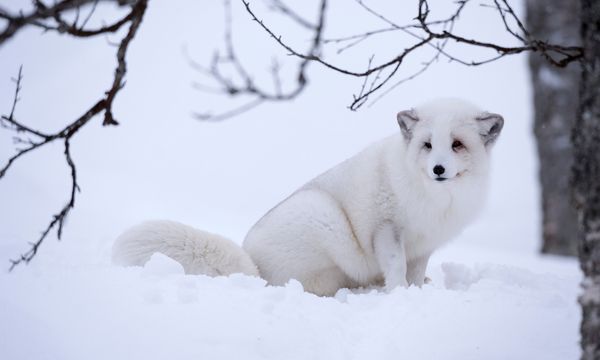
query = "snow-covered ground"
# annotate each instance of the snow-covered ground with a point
(474, 308)
(491, 296)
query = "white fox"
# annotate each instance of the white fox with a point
(372, 220)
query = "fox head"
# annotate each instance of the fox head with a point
(450, 139)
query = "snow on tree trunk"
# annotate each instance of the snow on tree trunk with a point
(555, 93)
(586, 178)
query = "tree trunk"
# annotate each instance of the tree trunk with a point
(586, 178)
(555, 94)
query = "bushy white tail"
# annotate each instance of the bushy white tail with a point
(199, 252)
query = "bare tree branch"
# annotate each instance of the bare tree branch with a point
(569, 53)
(49, 18)
(278, 5)
(435, 34)
(248, 86)
(134, 18)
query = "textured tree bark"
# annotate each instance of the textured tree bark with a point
(586, 178)
(555, 95)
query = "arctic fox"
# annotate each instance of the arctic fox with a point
(372, 220)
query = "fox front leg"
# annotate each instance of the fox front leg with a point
(390, 253)
(415, 272)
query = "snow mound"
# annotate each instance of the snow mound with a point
(160, 264)
(462, 277)
(481, 311)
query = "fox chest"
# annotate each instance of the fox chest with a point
(428, 224)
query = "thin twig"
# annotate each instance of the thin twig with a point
(41, 139)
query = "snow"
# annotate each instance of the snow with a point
(160, 264)
(492, 296)
(468, 311)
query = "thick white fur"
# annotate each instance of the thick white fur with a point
(199, 252)
(372, 220)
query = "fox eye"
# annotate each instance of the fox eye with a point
(457, 145)
(427, 145)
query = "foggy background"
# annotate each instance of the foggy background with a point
(161, 163)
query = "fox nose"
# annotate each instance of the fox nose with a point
(438, 170)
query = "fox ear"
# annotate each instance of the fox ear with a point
(407, 120)
(490, 125)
